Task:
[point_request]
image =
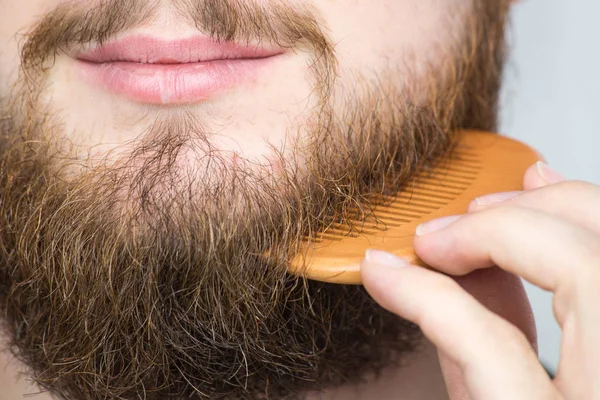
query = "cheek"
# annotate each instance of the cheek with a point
(16, 18)
(372, 35)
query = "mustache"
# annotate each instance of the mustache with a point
(75, 23)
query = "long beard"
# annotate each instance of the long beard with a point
(139, 279)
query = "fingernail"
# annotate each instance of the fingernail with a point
(495, 198)
(436, 225)
(385, 259)
(548, 174)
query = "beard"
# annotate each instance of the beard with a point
(142, 277)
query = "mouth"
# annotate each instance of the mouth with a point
(155, 71)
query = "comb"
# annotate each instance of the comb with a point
(481, 163)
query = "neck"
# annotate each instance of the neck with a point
(420, 378)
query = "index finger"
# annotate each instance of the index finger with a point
(542, 248)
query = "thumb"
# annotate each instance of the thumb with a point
(455, 381)
(503, 294)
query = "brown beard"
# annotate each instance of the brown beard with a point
(137, 279)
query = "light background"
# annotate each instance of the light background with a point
(552, 102)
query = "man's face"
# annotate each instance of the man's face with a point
(163, 160)
(109, 102)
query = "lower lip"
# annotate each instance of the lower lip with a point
(165, 84)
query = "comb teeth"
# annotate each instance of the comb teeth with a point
(481, 163)
(422, 195)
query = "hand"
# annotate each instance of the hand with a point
(550, 235)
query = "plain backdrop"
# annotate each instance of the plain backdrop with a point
(551, 101)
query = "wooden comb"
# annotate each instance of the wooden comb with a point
(481, 163)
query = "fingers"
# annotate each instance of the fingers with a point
(539, 247)
(453, 377)
(532, 178)
(494, 357)
(550, 235)
(540, 175)
(492, 287)
(547, 190)
(575, 201)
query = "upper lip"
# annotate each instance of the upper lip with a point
(151, 50)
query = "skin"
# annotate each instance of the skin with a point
(253, 116)
(250, 118)
(257, 118)
(536, 234)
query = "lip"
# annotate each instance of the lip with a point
(155, 71)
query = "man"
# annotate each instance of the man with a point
(162, 160)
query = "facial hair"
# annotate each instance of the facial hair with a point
(138, 278)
